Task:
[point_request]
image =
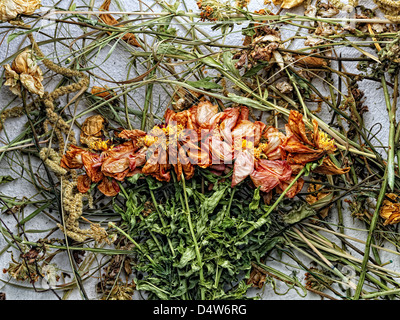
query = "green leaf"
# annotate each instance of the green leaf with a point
(205, 84)
(255, 202)
(247, 101)
(229, 63)
(298, 213)
(253, 71)
(12, 36)
(133, 179)
(186, 257)
(6, 179)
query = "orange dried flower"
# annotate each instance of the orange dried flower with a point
(111, 21)
(390, 210)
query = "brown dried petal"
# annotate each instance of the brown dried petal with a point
(101, 92)
(111, 21)
(12, 80)
(93, 125)
(310, 62)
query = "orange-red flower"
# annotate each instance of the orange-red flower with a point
(119, 161)
(305, 146)
(73, 158)
(268, 174)
(83, 183)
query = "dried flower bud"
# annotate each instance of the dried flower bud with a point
(10, 9)
(24, 70)
(284, 87)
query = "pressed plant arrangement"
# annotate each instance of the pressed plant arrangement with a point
(209, 150)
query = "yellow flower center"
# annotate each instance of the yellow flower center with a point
(325, 142)
(100, 145)
(260, 150)
(243, 144)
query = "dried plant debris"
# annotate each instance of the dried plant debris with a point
(174, 163)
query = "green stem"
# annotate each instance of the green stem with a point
(261, 220)
(113, 225)
(391, 144)
(161, 219)
(196, 246)
(370, 234)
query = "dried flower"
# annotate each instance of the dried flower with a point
(102, 92)
(288, 4)
(10, 9)
(24, 70)
(92, 132)
(284, 87)
(390, 210)
(257, 278)
(111, 21)
(214, 10)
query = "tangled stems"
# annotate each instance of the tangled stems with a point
(196, 245)
(272, 208)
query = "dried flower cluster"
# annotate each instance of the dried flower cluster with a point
(201, 136)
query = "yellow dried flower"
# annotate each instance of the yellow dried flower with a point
(24, 70)
(10, 9)
(287, 4)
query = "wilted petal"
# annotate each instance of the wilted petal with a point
(294, 190)
(131, 134)
(12, 80)
(288, 4)
(33, 83)
(157, 166)
(119, 161)
(111, 21)
(243, 167)
(275, 139)
(329, 168)
(73, 158)
(84, 183)
(92, 163)
(109, 187)
(102, 92)
(204, 113)
(268, 174)
(297, 127)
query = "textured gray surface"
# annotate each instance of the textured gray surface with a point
(116, 68)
